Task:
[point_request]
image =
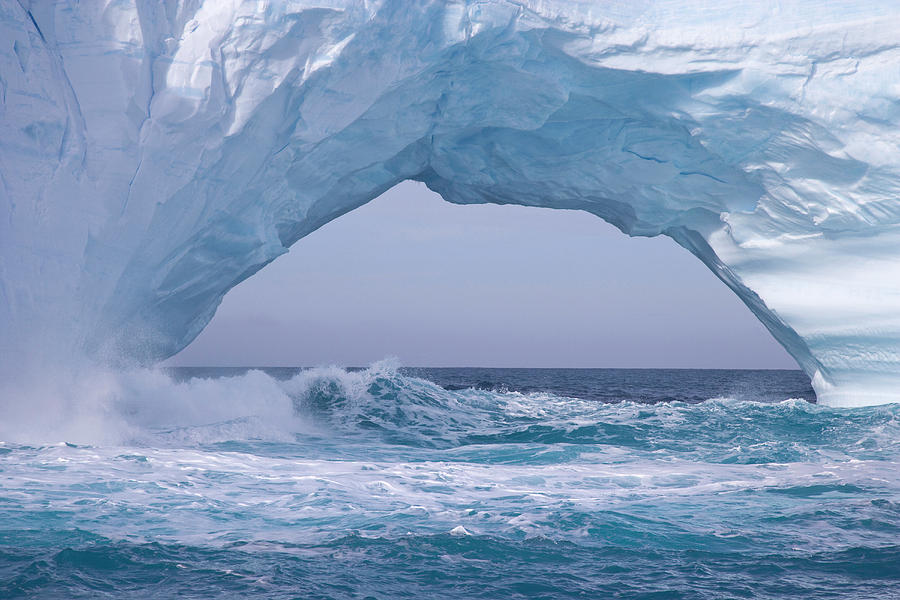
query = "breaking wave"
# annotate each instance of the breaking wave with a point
(387, 404)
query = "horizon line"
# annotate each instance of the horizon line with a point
(482, 367)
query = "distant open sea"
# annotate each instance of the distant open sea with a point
(390, 482)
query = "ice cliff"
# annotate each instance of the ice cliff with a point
(155, 153)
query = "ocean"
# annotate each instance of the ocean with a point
(389, 482)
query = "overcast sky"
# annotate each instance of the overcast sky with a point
(435, 284)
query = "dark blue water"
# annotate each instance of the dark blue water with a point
(455, 483)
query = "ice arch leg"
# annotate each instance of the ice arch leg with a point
(153, 155)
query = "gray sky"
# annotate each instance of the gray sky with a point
(436, 284)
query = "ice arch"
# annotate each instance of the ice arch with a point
(154, 154)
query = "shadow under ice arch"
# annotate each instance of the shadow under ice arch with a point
(155, 155)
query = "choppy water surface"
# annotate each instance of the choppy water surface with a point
(458, 483)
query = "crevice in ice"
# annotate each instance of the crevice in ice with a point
(33, 22)
(650, 158)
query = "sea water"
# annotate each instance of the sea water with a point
(455, 483)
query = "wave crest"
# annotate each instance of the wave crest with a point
(334, 408)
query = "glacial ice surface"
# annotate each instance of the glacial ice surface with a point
(155, 154)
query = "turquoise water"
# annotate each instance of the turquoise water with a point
(457, 483)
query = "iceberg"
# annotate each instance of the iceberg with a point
(155, 154)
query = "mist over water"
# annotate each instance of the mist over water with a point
(435, 483)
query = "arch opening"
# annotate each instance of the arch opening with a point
(440, 284)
